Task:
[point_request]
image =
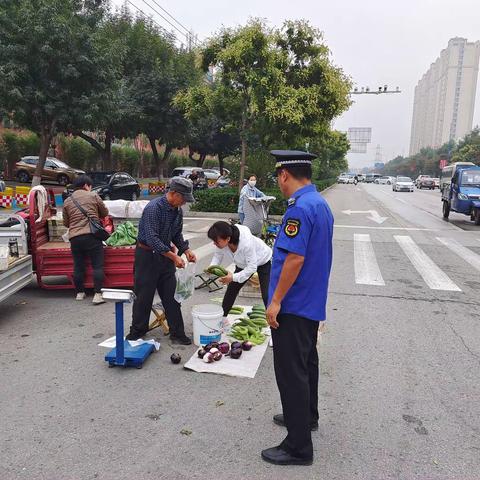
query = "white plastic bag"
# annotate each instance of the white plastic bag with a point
(185, 282)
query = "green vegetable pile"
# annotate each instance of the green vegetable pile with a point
(217, 270)
(236, 310)
(250, 328)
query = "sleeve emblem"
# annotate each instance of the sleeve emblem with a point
(292, 227)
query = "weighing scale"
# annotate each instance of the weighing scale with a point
(124, 354)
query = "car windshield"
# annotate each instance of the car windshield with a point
(60, 164)
(470, 179)
(100, 177)
(404, 179)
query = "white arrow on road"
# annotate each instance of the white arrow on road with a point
(374, 216)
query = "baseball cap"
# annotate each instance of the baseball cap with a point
(184, 187)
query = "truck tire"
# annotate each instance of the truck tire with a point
(446, 210)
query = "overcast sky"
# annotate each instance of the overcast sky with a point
(375, 42)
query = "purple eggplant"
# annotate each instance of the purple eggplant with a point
(236, 353)
(208, 357)
(201, 353)
(175, 358)
(217, 355)
(236, 345)
(247, 345)
(224, 347)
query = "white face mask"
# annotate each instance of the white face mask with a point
(252, 183)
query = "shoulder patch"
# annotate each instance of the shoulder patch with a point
(292, 227)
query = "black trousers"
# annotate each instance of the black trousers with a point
(154, 272)
(81, 247)
(295, 360)
(235, 287)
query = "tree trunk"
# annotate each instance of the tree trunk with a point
(156, 158)
(164, 165)
(221, 164)
(107, 151)
(243, 162)
(45, 139)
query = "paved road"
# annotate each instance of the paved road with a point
(399, 388)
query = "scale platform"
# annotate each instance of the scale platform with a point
(124, 355)
(132, 356)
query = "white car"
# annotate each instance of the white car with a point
(214, 173)
(403, 184)
(384, 180)
(345, 178)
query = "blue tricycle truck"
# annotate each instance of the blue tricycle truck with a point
(461, 194)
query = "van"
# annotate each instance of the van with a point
(448, 172)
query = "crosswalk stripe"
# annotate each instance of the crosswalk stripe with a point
(367, 271)
(470, 257)
(204, 250)
(190, 235)
(433, 276)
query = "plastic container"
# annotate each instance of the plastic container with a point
(4, 250)
(207, 323)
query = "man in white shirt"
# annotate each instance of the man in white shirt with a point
(236, 244)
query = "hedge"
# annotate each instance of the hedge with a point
(225, 200)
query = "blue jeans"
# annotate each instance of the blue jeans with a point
(241, 217)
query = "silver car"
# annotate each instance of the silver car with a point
(403, 184)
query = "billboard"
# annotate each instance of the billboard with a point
(359, 138)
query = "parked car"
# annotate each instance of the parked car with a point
(425, 182)
(186, 172)
(403, 184)
(55, 170)
(111, 186)
(386, 180)
(214, 173)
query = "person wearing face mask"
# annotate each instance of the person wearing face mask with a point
(249, 190)
(302, 259)
(235, 243)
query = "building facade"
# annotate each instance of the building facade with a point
(445, 96)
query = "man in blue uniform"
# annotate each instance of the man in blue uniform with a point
(302, 259)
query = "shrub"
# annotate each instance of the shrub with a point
(78, 153)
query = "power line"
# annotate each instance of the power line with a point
(168, 21)
(171, 16)
(165, 31)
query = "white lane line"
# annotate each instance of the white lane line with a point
(367, 271)
(470, 257)
(408, 229)
(204, 250)
(433, 276)
(190, 235)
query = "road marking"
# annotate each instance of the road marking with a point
(433, 276)
(204, 250)
(408, 229)
(470, 257)
(374, 216)
(367, 271)
(190, 235)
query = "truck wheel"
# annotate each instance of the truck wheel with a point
(476, 216)
(446, 210)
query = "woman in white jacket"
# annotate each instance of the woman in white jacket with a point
(236, 244)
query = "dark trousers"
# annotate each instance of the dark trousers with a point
(154, 272)
(235, 287)
(295, 360)
(81, 247)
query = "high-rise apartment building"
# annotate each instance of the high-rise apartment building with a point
(445, 96)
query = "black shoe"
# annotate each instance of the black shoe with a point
(279, 420)
(278, 456)
(182, 339)
(133, 336)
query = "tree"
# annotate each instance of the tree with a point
(51, 64)
(331, 148)
(280, 84)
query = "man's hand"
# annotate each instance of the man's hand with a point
(272, 312)
(191, 257)
(228, 278)
(179, 262)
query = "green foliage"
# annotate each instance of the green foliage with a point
(78, 153)
(225, 200)
(14, 145)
